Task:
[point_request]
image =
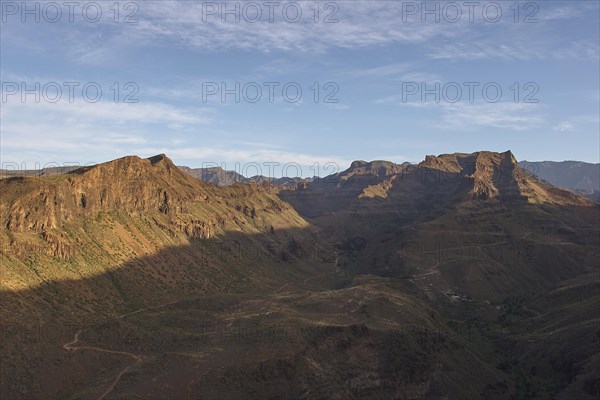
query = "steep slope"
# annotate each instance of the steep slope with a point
(454, 177)
(497, 175)
(142, 205)
(458, 209)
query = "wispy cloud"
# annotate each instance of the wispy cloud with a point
(385, 71)
(516, 49)
(512, 116)
(108, 113)
(464, 115)
(361, 24)
(73, 130)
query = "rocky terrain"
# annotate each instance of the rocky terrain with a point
(461, 277)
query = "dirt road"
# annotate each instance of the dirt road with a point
(138, 358)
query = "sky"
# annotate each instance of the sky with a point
(297, 88)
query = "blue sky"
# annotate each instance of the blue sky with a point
(173, 54)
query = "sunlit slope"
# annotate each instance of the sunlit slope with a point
(92, 220)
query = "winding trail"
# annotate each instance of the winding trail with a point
(431, 271)
(72, 346)
(139, 358)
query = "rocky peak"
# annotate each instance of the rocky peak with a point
(130, 184)
(489, 175)
(128, 166)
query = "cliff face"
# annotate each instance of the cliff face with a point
(488, 175)
(131, 184)
(483, 175)
(337, 191)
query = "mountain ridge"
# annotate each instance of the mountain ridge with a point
(455, 239)
(580, 177)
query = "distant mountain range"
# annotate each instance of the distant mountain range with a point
(221, 177)
(581, 177)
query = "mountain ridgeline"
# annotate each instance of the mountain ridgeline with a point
(464, 276)
(580, 177)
